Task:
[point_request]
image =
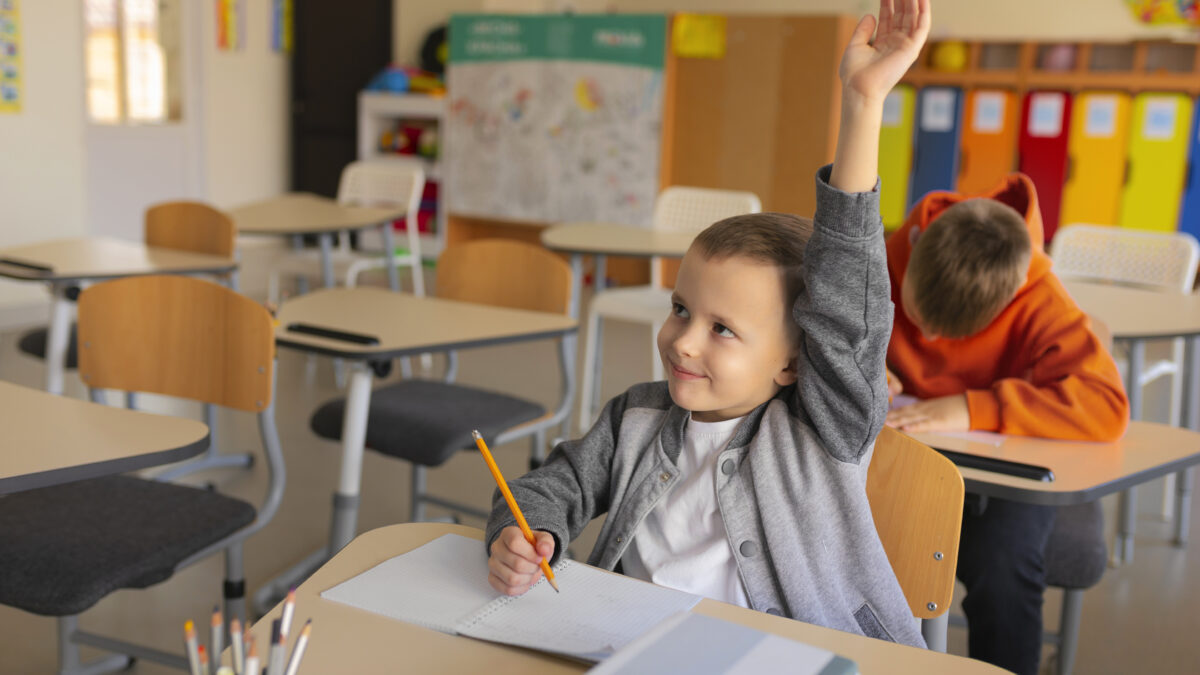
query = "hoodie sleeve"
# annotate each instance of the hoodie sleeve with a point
(1071, 390)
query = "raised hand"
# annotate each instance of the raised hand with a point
(869, 68)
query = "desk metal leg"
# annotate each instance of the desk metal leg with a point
(389, 252)
(326, 241)
(1191, 420)
(934, 631)
(573, 310)
(1127, 500)
(598, 286)
(344, 521)
(57, 337)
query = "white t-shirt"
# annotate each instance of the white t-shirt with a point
(681, 543)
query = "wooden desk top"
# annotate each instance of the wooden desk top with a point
(1137, 313)
(617, 240)
(1083, 471)
(345, 639)
(304, 213)
(53, 439)
(407, 324)
(103, 258)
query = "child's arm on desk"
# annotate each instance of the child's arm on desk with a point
(845, 312)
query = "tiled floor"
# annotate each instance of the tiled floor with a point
(1141, 618)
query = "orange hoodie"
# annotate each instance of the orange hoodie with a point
(1037, 369)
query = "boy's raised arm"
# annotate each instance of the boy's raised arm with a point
(869, 70)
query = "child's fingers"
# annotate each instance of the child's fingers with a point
(863, 31)
(544, 544)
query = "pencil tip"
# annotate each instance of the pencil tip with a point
(475, 435)
(553, 584)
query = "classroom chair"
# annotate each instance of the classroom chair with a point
(366, 184)
(68, 546)
(425, 422)
(1153, 260)
(679, 209)
(916, 498)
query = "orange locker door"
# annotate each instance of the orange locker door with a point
(1096, 158)
(988, 149)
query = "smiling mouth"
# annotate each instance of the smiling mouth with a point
(682, 374)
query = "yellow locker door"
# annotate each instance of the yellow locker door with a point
(895, 155)
(1096, 155)
(1158, 145)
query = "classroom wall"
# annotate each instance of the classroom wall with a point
(41, 148)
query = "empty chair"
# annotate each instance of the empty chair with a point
(679, 209)
(426, 422)
(68, 546)
(1076, 557)
(367, 184)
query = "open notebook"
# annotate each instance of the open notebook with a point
(443, 586)
(702, 645)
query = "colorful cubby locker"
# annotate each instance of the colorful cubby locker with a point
(1043, 149)
(1189, 220)
(989, 140)
(935, 160)
(1158, 146)
(895, 155)
(1096, 158)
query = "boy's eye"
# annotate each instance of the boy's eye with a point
(679, 310)
(721, 330)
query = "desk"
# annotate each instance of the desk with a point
(52, 439)
(65, 262)
(345, 639)
(1135, 315)
(404, 325)
(605, 239)
(298, 214)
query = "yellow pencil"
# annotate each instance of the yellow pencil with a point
(512, 504)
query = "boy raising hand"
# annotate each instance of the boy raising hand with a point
(743, 476)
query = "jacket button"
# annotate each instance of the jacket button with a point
(620, 539)
(748, 549)
(728, 467)
(665, 476)
(775, 611)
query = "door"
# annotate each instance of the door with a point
(1158, 145)
(989, 140)
(1045, 118)
(895, 155)
(935, 166)
(1189, 220)
(337, 48)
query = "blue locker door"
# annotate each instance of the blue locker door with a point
(1189, 218)
(938, 127)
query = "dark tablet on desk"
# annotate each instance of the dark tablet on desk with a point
(1004, 466)
(333, 334)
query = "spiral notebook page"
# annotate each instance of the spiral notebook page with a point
(595, 614)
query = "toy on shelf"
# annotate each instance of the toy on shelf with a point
(1060, 57)
(949, 56)
(404, 79)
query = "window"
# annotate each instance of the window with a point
(133, 61)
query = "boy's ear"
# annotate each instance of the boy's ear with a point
(788, 375)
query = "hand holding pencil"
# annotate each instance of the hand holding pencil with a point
(517, 554)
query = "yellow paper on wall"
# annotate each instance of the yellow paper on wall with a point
(698, 36)
(10, 57)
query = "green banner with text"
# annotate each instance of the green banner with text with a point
(626, 39)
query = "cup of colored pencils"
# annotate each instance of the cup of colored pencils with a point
(243, 649)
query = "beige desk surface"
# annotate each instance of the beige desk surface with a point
(348, 640)
(51, 439)
(407, 324)
(617, 240)
(1083, 471)
(102, 258)
(304, 213)
(1136, 313)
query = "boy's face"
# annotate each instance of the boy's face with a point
(728, 344)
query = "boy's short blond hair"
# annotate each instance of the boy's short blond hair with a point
(967, 266)
(770, 238)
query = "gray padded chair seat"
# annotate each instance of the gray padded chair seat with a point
(67, 546)
(1076, 553)
(34, 344)
(426, 422)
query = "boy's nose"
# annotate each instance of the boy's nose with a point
(686, 343)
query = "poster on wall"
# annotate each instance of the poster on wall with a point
(1166, 12)
(231, 24)
(554, 118)
(10, 57)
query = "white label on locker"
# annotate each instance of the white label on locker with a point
(1101, 120)
(893, 108)
(1046, 114)
(937, 110)
(1160, 119)
(989, 112)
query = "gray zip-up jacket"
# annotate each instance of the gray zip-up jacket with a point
(791, 483)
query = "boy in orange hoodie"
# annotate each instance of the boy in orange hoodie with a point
(987, 337)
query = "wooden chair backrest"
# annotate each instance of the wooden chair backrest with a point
(505, 273)
(916, 498)
(177, 336)
(190, 226)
